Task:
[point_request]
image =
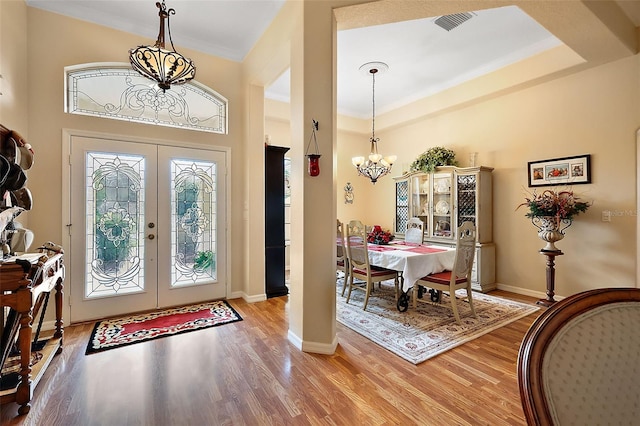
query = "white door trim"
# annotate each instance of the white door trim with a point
(67, 135)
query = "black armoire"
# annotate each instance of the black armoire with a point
(274, 221)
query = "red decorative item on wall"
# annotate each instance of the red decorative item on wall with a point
(314, 164)
(314, 159)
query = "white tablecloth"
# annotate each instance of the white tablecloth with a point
(413, 266)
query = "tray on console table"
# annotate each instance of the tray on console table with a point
(25, 283)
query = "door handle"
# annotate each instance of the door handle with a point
(151, 236)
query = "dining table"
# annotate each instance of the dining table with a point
(413, 260)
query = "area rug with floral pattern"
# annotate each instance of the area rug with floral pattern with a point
(113, 333)
(431, 329)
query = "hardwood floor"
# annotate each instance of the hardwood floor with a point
(247, 373)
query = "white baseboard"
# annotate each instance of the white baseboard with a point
(313, 347)
(249, 299)
(294, 339)
(526, 292)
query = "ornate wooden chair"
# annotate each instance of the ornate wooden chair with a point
(341, 253)
(414, 232)
(578, 363)
(459, 277)
(359, 267)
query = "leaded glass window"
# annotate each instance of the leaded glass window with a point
(118, 92)
(115, 224)
(193, 222)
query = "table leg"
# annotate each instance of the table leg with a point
(59, 297)
(24, 391)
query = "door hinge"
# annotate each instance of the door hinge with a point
(69, 228)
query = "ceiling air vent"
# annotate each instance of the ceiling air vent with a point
(449, 22)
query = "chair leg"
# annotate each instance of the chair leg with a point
(346, 277)
(470, 299)
(350, 287)
(454, 304)
(367, 290)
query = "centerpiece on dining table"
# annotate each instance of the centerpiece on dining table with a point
(379, 236)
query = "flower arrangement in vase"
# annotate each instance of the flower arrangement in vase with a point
(379, 236)
(549, 210)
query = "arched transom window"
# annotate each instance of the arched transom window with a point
(114, 90)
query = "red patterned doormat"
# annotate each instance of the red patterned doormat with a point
(113, 333)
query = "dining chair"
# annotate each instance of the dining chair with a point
(359, 266)
(342, 263)
(460, 275)
(578, 362)
(415, 231)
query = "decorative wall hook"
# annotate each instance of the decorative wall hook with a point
(313, 158)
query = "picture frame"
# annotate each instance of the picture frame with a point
(560, 171)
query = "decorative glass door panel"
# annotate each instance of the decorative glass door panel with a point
(115, 195)
(193, 222)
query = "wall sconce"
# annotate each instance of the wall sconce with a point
(314, 158)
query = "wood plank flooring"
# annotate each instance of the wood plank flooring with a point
(247, 373)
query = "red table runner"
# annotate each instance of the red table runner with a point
(424, 250)
(416, 248)
(374, 247)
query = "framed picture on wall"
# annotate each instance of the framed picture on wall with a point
(560, 171)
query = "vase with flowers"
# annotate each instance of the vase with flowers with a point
(379, 236)
(552, 212)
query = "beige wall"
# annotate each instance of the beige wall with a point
(351, 143)
(595, 112)
(78, 42)
(13, 68)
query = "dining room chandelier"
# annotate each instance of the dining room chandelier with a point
(158, 64)
(376, 166)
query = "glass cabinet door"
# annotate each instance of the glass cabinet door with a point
(467, 196)
(442, 202)
(402, 206)
(420, 189)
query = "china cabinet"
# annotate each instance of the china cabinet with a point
(445, 199)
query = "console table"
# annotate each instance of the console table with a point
(25, 283)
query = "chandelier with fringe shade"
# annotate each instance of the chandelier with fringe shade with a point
(376, 166)
(163, 66)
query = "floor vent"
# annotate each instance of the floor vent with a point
(449, 22)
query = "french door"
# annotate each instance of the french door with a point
(147, 226)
